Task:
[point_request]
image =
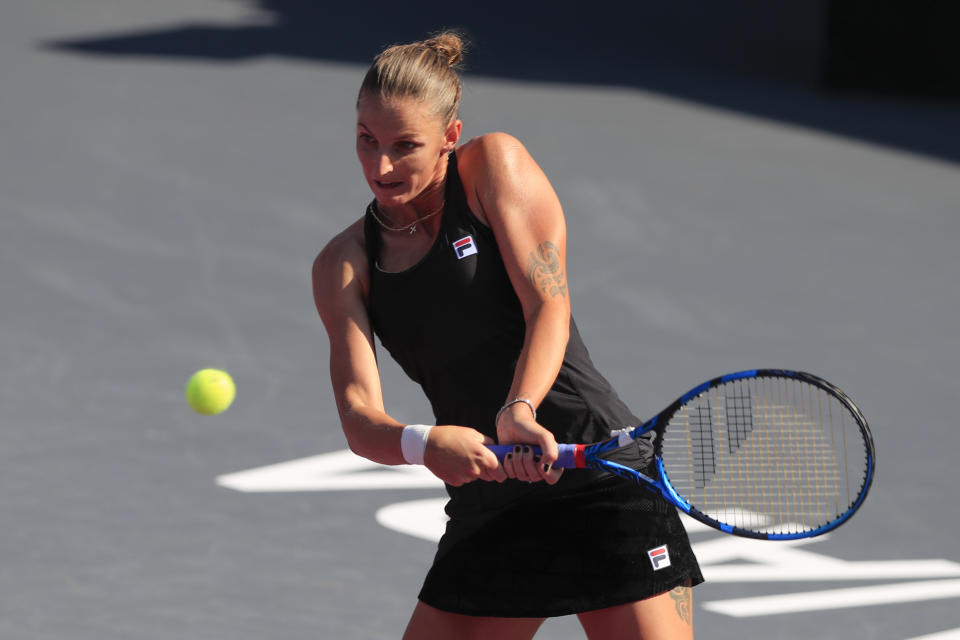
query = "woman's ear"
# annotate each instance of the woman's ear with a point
(452, 135)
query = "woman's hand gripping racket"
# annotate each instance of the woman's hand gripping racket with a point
(767, 453)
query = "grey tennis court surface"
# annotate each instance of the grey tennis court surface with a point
(165, 182)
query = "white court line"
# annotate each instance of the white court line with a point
(419, 518)
(334, 471)
(949, 634)
(836, 598)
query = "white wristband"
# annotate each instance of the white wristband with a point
(413, 442)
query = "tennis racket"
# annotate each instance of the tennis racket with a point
(766, 453)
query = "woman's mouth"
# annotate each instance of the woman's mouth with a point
(388, 185)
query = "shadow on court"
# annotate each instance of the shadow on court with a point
(765, 60)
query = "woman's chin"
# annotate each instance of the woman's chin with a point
(391, 196)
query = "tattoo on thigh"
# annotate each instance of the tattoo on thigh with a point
(545, 272)
(683, 600)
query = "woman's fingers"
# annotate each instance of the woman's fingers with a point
(524, 464)
(550, 474)
(513, 464)
(531, 462)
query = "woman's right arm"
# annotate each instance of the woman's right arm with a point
(340, 286)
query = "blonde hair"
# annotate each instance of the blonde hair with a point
(426, 70)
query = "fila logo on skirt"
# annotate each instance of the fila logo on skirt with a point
(659, 558)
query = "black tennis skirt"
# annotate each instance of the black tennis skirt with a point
(532, 550)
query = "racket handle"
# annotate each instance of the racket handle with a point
(566, 459)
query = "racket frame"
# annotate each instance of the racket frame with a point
(582, 456)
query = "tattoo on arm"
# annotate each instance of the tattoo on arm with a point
(683, 599)
(545, 272)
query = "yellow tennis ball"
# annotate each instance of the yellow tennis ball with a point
(210, 391)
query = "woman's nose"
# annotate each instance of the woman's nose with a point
(384, 164)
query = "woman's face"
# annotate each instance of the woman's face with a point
(402, 146)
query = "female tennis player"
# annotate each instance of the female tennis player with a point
(458, 266)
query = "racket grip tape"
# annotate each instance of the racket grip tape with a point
(570, 456)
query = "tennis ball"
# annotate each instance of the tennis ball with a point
(210, 391)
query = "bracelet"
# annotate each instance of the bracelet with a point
(413, 442)
(496, 420)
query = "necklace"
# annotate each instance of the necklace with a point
(412, 226)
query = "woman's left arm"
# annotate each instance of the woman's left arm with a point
(516, 199)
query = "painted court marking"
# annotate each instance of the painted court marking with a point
(836, 598)
(723, 559)
(336, 471)
(950, 634)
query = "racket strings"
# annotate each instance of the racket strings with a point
(765, 454)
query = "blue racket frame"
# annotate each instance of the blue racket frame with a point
(573, 456)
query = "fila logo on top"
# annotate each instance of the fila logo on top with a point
(464, 247)
(659, 558)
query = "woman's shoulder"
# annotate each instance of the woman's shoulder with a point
(345, 252)
(489, 146)
(488, 158)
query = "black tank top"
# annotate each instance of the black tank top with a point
(455, 325)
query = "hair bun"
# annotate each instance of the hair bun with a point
(427, 70)
(449, 45)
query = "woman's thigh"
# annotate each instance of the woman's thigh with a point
(667, 616)
(428, 623)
